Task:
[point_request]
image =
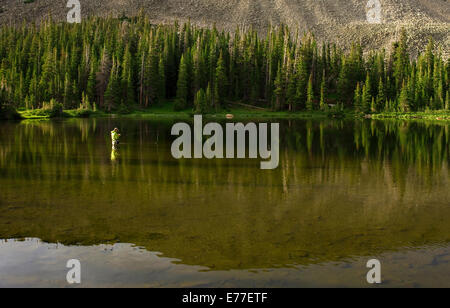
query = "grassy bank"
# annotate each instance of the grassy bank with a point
(167, 111)
(237, 113)
(44, 114)
(436, 115)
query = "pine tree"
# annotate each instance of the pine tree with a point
(113, 90)
(102, 77)
(429, 56)
(447, 99)
(182, 86)
(366, 95)
(209, 98)
(344, 84)
(130, 95)
(127, 79)
(162, 80)
(91, 84)
(200, 102)
(67, 91)
(302, 80)
(381, 97)
(46, 82)
(291, 91)
(401, 62)
(220, 83)
(357, 100)
(151, 78)
(373, 106)
(310, 94)
(404, 99)
(387, 106)
(323, 93)
(279, 89)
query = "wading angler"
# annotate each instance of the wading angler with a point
(213, 147)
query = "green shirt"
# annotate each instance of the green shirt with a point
(114, 136)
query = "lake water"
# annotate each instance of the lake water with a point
(345, 192)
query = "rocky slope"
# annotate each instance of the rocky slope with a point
(341, 21)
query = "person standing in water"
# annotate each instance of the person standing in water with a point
(115, 136)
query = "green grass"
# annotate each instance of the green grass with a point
(435, 115)
(44, 114)
(160, 110)
(166, 110)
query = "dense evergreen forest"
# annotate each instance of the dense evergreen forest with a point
(124, 63)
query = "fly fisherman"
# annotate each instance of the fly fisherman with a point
(115, 136)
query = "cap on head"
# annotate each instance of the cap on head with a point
(116, 129)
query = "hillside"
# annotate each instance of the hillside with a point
(341, 21)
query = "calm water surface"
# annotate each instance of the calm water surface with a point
(345, 192)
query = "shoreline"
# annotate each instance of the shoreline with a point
(441, 116)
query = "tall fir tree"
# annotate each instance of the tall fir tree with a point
(323, 105)
(310, 95)
(220, 83)
(357, 99)
(381, 96)
(182, 86)
(366, 99)
(404, 98)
